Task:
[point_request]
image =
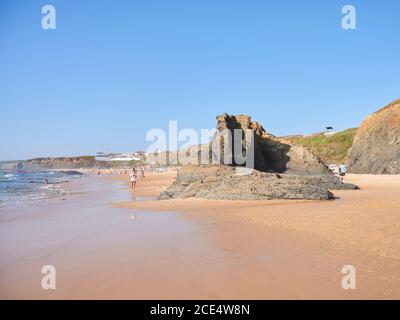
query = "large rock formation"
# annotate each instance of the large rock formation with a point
(271, 154)
(226, 182)
(282, 170)
(376, 146)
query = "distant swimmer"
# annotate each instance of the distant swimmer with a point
(133, 179)
(46, 181)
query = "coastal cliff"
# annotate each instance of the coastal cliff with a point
(81, 162)
(376, 146)
(63, 163)
(271, 154)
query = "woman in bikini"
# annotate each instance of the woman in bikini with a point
(133, 179)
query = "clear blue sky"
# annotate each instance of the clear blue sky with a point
(114, 69)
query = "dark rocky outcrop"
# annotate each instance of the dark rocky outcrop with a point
(376, 146)
(229, 183)
(271, 154)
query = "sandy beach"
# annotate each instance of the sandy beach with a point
(366, 219)
(360, 228)
(107, 243)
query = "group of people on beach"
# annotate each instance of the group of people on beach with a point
(108, 172)
(339, 170)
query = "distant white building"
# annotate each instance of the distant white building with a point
(329, 133)
(101, 156)
(125, 157)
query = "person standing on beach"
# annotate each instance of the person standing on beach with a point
(133, 179)
(342, 171)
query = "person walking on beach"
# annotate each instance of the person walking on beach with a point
(342, 171)
(133, 179)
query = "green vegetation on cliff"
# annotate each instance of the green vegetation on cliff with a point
(332, 149)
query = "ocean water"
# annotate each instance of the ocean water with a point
(17, 188)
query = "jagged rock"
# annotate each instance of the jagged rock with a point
(376, 146)
(271, 154)
(227, 182)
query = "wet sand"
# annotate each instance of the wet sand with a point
(183, 249)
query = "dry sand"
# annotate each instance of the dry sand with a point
(150, 186)
(360, 228)
(366, 219)
(193, 248)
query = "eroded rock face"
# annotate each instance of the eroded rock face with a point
(227, 183)
(376, 145)
(271, 154)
